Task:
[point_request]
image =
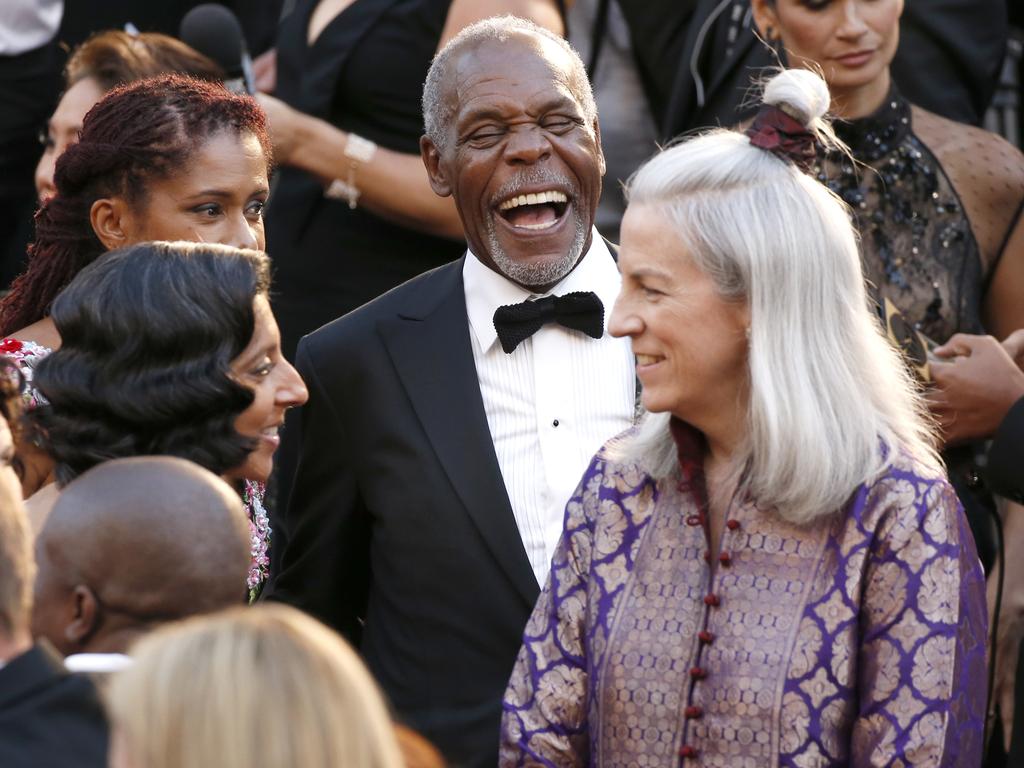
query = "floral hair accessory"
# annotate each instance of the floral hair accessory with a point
(778, 132)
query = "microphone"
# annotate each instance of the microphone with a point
(214, 31)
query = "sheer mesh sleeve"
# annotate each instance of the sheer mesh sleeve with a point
(987, 173)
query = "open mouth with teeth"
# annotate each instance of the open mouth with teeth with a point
(535, 210)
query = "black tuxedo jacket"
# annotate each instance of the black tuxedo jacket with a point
(401, 535)
(48, 716)
(947, 62)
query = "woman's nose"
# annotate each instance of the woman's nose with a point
(292, 392)
(623, 322)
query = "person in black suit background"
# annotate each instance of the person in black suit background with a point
(47, 715)
(439, 446)
(698, 58)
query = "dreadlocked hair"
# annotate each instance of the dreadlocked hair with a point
(138, 133)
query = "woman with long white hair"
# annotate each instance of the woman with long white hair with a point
(772, 568)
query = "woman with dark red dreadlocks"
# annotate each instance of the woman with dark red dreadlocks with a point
(168, 158)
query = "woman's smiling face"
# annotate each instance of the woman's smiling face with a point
(690, 343)
(276, 387)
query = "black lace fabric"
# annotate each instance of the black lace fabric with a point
(930, 237)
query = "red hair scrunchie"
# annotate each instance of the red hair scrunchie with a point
(784, 136)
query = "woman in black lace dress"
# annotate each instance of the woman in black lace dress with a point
(938, 205)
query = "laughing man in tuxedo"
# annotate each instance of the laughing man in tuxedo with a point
(450, 420)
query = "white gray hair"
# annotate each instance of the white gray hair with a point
(437, 107)
(831, 402)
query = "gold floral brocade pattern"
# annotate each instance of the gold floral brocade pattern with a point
(857, 640)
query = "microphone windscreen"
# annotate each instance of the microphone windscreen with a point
(214, 31)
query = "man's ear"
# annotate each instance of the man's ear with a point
(600, 151)
(85, 619)
(431, 155)
(113, 222)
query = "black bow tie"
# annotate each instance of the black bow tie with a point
(581, 310)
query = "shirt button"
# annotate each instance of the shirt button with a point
(697, 673)
(687, 751)
(554, 423)
(725, 559)
(712, 600)
(732, 525)
(695, 520)
(694, 712)
(706, 637)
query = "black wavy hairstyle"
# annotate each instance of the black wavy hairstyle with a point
(148, 334)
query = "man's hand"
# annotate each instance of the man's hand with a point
(977, 381)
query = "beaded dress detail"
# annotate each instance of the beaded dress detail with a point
(917, 246)
(26, 355)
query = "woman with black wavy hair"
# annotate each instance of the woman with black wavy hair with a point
(168, 349)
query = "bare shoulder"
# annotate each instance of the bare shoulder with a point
(42, 332)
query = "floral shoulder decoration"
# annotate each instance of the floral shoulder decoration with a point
(259, 537)
(26, 354)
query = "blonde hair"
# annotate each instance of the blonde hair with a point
(831, 402)
(17, 566)
(261, 687)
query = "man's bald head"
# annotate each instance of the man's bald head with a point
(439, 90)
(133, 543)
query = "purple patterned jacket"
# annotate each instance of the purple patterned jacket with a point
(856, 640)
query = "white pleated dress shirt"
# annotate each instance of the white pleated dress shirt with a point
(554, 401)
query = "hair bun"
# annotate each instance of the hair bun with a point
(799, 92)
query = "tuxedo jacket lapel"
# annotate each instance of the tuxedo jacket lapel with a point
(430, 347)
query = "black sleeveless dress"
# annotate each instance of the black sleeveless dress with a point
(364, 74)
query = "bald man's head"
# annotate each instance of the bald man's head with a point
(133, 543)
